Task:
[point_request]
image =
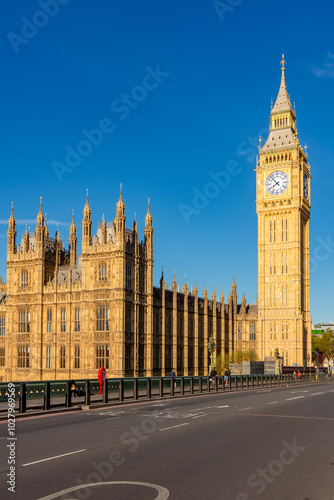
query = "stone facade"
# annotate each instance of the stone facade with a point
(283, 208)
(64, 316)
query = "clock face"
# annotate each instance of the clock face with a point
(277, 182)
(305, 187)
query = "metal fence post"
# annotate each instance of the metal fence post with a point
(23, 398)
(161, 387)
(208, 388)
(135, 388)
(242, 382)
(105, 391)
(87, 392)
(247, 381)
(47, 396)
(200, 384)
(191, 385)
(182, 386)
(172, 386)
(236, 381)
(121, 389)
(68, 396)
(149, 388)
(230, 382)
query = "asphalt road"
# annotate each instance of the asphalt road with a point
(274, 443)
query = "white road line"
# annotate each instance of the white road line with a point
(249, 408)
(225, 406)
(296, 397)
(264, 390)
(52, 458)
(316, 393)
(199, 416)
(272, 403)
(174, 426)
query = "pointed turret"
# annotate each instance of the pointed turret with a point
(243, 303)
(222, 298)
(58, 251)
(214, 296)
(205, 292)
(283, 130)
(234, 286)
(26, 241)
(11, 233)
(86, 227)
(148, 232)
(162, 280)
(174, 284)
(72, 242)
(185, 289)
(120, 221)
(195, 289)
(103, 231)
(40, 228)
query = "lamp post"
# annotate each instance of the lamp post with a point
(211, 348)
(308, 361)
(277, 364)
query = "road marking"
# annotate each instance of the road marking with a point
(249, 408)
(264, 390)
(174, 426)
(199, 416)
(52, 458)
(296, 397)
(316, 393)
(272, 403)
(294, 392)
(163, 493)
(225, 406)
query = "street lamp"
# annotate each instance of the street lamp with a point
(308, 360)
(211, 348)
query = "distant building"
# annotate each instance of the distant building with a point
(320, 328)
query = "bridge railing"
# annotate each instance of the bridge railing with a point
(52, 394)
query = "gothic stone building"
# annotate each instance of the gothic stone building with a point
(63, 316)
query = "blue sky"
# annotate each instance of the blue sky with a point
(180, 91)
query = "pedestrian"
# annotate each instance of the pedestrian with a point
(294, 375)
(173, 376)
(226, 376)
(74, 389)
(213, 376)
(298, 375)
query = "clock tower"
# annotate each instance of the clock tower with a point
(283, 209)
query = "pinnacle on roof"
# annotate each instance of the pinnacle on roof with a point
(11, 222)
(40, 216)
(72, 226)
(283, 99)
(87, 211)
(120, 207)
(148, 218)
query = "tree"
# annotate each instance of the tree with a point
(325, 344)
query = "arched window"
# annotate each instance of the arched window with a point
(103, 272)
(24, 278)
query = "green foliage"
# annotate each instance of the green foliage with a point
(324, 344)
